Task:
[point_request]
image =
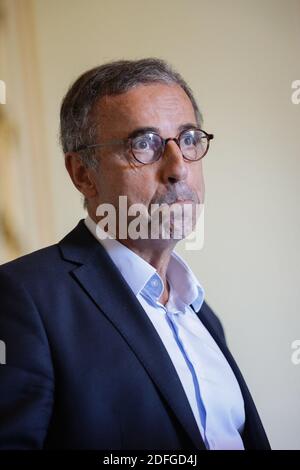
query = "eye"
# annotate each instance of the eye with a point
(188, 140)
(142, 143)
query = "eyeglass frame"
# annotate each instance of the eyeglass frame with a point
(129, 140)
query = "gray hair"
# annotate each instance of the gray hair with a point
(77, 124)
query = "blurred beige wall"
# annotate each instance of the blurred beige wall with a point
(240, 58)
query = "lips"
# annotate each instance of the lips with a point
(183, 200)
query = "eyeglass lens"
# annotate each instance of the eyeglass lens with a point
(147, 148)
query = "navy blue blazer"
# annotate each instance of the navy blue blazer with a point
(85, 368)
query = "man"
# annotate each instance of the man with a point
(110, 344)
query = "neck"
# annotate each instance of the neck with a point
(157, 253)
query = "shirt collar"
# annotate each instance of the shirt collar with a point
(140, 275)
(184, 282)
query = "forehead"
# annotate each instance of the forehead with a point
(166, 107)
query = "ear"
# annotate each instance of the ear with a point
(80, 174)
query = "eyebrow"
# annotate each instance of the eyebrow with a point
(188, 125)
(142, 130)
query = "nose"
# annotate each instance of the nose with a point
(173, 166)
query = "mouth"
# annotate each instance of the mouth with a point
(180, 200)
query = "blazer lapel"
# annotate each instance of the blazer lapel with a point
(117, 301)
(254, 436)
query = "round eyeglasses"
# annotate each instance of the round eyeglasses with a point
(148, 147)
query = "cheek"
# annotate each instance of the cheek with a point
(139, 185)
(123, 179)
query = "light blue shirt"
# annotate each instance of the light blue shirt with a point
(211, 387)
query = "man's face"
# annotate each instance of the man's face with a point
(165, 108)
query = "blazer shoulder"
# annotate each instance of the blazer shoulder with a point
(50, 263)
(32, 265)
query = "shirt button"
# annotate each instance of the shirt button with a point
(154, 283)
